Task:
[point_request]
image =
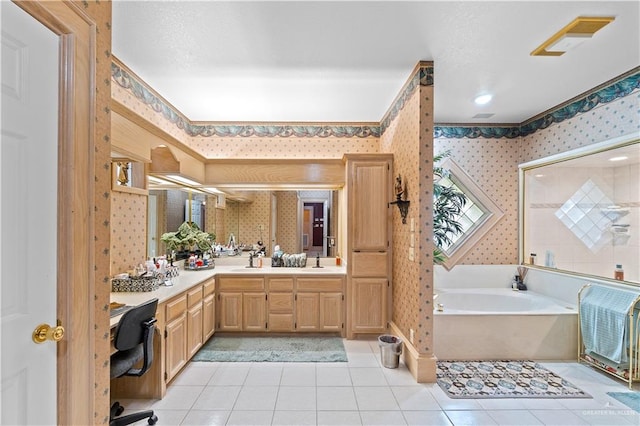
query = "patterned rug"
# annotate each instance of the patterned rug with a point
(272, 349)
(503, 379)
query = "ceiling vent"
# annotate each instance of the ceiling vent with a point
(572, 35)
(484, 115)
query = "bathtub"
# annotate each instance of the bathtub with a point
(499, 323)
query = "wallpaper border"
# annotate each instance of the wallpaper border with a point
(423, 75)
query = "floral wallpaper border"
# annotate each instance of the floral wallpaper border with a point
(617, 88)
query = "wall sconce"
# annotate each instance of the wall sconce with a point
(403, 205)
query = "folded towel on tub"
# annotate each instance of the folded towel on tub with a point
(604, 321)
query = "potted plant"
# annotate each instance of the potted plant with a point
(188, 237)
(448, 203)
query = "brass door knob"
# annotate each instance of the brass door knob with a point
(45, 332)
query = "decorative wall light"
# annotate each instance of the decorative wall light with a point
(403, 205)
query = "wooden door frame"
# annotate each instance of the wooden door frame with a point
(76, 259)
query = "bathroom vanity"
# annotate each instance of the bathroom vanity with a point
(232, 299)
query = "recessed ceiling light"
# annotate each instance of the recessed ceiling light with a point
(621, 158)
(482, 99)
(484, 115)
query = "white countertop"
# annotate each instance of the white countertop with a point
(231, 266)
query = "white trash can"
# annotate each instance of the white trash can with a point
(390, 350)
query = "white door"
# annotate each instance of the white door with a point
(28, 216)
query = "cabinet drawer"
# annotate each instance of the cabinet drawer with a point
(280, 284)
(280, 302)
(208, 287)
(319, 284)
(369, 264)
(280, 322)
(241, 284)
(176, 308)
(194, 296)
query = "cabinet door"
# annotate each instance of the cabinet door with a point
(208, 317)
(254, 311)
(369, 305)
(176, 345)
(230, 311)
(194, 329)
(307, 311)
(369, 210)
(331, 312)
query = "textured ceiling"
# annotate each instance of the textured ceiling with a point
(346, 61)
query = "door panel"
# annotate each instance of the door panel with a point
(29, 185)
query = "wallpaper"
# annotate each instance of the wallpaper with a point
(408, 134)
(252, 217)
(128, 223)
(287, 226)
(100, 13)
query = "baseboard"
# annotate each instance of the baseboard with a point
(421, 366)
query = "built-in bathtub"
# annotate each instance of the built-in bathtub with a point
(499, 323)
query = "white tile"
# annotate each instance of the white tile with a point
(367, 377)
(229, 375)
(336, 376)
(375, 398)
(339, 418)
(205, 417)
(165, 417)
(264, 374)
(400, 376)
(501, 403)
(257, 398)
(414, 398)
(382, 418)
(296, 398)
(513, 417)
(195, 375)
(253, 418)
(542, 404)
(336, 398)
(178, 398)
(609, 417)
(357, 346)
(422, 418)
(217, 398)
(298, 375)
(558, 417)
(457, 404)
(470, 417)
(363, 360)
(294, 418)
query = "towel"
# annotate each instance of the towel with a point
(604, 321)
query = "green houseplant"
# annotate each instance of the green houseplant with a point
(188, 237)
(448, 203)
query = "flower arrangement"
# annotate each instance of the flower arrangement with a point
(188, 237)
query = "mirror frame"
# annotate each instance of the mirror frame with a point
(617, 142)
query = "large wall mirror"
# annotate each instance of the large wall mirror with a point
(579, 211)
(297, 221)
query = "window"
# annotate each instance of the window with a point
(477, 217)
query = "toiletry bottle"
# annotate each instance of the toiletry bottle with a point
(618, 273)
(259, 261)
(532, 259)
(338, 260)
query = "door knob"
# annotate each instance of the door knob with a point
(45, 332)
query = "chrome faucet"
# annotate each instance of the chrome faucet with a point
(250, 260)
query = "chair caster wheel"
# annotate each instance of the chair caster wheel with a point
(153, 419)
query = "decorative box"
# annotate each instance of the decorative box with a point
(136, 284)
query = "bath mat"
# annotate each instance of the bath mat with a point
(503, 379)
(630, 399)
(272, 349)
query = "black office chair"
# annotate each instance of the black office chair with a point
(134, 342)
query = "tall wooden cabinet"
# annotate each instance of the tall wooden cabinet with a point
(369, 190)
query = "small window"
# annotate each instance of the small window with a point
(476, 218)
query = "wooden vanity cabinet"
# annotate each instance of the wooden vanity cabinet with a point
(194, 321)
(242, 304)
(280, 304)
(318, 304)
(208, 309)
(175, 336)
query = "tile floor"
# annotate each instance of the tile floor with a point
(362, 392)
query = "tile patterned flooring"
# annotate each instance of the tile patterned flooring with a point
(362, 392)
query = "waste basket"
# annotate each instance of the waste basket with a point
(390, 350)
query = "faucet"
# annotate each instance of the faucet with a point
(250, 260)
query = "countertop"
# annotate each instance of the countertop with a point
(226, 266)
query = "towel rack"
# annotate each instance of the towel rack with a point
(628, 374)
